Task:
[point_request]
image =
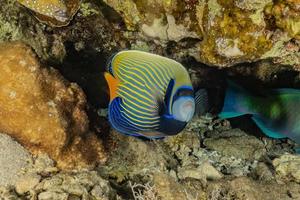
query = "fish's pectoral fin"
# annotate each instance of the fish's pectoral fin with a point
(112, 84)
(201, 102)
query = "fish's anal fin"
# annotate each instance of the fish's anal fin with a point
(265, 128)
(297, 150)
(112, 84)
(227, 115)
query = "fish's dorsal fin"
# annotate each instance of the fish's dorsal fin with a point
(286, 91)
(112, 84)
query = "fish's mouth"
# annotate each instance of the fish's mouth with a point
(61, 15)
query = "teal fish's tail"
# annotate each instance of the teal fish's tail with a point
(234, 102)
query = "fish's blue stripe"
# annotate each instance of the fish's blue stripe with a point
(119, 121)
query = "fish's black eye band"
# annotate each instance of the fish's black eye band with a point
(187, 92)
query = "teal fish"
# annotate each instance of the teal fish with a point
(150, 95)
(277, 113)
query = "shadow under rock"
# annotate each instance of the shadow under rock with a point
(86, 68)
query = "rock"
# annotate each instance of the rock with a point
(246, 188)
(44, 112)
(97, 193)
(238, 144)
(287, 167)
(167, 188)
(43, 165)
(13, 159)
(263, 172)
(187, 150)
(52, 195)
(286, 14)
(203, 172)
(50, 16)
(222, 32)
(131, 157)
(8, 193)
(27, 183)
(82, 185)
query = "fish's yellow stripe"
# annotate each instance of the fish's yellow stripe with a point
(132, 102)
(169, 74)
(123, 72)
(141, 87)
(126, 95)
(155, 67)
(132, 68)
(141, 114)
(148, 82)
(159, 61)
(154, 111)
(153, 119)
(151, 69)
(122, 86)
(147, 69)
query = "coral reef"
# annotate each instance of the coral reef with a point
(43, 111)
(228, 32)
(287, 167)
(253, 41)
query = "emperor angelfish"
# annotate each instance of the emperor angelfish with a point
(150, 95)
(277, 113)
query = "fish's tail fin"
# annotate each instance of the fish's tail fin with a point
(234, 101)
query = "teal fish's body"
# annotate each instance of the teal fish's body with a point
(150, 95)
(277, 113)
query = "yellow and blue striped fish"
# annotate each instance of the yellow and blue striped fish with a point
(150, 95)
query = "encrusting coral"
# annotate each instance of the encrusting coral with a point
(43, 111)
(224, 32)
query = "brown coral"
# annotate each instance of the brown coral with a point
(43, 111)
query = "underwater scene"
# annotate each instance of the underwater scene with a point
(150, 99)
